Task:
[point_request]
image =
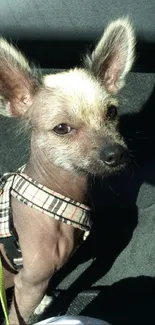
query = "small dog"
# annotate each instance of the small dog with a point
(74, 134)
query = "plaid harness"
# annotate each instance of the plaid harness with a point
(35, 195)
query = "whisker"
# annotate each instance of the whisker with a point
(112, 190)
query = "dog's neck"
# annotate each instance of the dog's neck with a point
(55, 178)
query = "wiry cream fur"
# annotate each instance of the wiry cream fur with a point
(87, 99)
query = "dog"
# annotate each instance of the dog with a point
(74, 134)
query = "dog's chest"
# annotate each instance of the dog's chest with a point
(35, 196)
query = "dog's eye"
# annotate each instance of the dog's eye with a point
(62, 129)
(112, 112)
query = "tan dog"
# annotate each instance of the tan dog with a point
(73, 117)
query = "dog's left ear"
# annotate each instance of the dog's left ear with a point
(114, 55)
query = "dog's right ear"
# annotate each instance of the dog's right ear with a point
(18, 84)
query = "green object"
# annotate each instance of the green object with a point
(3, 294)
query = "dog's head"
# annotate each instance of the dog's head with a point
(74, 113)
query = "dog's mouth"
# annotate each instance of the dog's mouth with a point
(105, 170)
(110, 160)
(98, 168)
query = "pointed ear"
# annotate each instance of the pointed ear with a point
(114, 55)
(18, 83)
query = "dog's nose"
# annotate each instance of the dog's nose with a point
(114, 155)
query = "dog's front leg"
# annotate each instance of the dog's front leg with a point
(46, 245)
(27, 295)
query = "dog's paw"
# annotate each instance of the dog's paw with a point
(46, 301)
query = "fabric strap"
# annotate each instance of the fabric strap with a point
(47, 201)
